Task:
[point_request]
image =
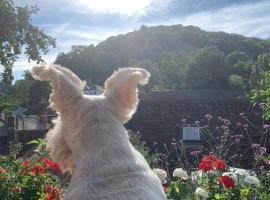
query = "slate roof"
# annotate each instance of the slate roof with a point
(160, 113)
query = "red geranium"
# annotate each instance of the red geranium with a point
(52, 193)
(48, 196)
(220, 165)
(226, 181)
(36, 170)
(54, 167)
(25, 164)
(210, 163)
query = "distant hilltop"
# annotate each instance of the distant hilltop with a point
(178, 57)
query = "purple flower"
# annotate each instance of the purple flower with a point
(239, 136)
(239, 124)
(262, 168)
(267, 162)
(226, 133)
(255, 146)
(194, 153)
(226, 122)
(266, 126)
(237, 140)
(208, 117)
(245, 126)
(224, 127)
(262, 150)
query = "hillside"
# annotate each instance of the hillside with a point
(178, 57)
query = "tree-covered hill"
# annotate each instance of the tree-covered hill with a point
(178, 57)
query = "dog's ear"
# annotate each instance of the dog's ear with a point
(121, 90)
(66, 86)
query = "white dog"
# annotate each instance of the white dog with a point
(89, 138)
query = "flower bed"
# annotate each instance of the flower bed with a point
(37, 178)
(214, 180)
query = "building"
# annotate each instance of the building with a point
(165, 116)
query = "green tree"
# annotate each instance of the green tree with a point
(236, 82)
(18, 35)
(174, 54)
(27, 91)
(207, 70)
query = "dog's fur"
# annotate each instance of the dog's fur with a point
(89, 138)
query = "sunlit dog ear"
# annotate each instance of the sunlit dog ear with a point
(121, 88)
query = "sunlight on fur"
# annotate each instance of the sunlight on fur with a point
(89, 138)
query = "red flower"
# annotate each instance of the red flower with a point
(205, 166)
(210, 163)
(226, 181)
(2, 170)
(48, 188)
(57, 192)
(219, 165)
(17, 189)
(36, 170)
(54, 167)
(52, 193)
(25, 164)
(48, 196)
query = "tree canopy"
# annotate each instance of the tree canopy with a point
(18, 35)
(178, 57)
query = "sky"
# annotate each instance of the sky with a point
(85, 22)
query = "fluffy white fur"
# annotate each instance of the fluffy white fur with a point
(89, 138)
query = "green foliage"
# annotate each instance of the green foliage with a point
(207, 70)
(181, 190)
(8, 107)
(236, 82)
(18, 35)
(135, 139)
(27, 92)
(179, 57)
(261, 90)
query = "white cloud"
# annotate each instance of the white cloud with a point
(247, 19)
(22, 63)
(122, 7)
(69, 34)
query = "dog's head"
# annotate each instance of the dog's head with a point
(120, 97)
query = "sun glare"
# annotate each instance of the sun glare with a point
(122, 7)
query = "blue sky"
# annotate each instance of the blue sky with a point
(75, 22)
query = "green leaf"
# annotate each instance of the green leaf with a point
(34, 142)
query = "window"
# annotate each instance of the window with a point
(191, 134)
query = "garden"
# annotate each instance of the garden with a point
(205, 173)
